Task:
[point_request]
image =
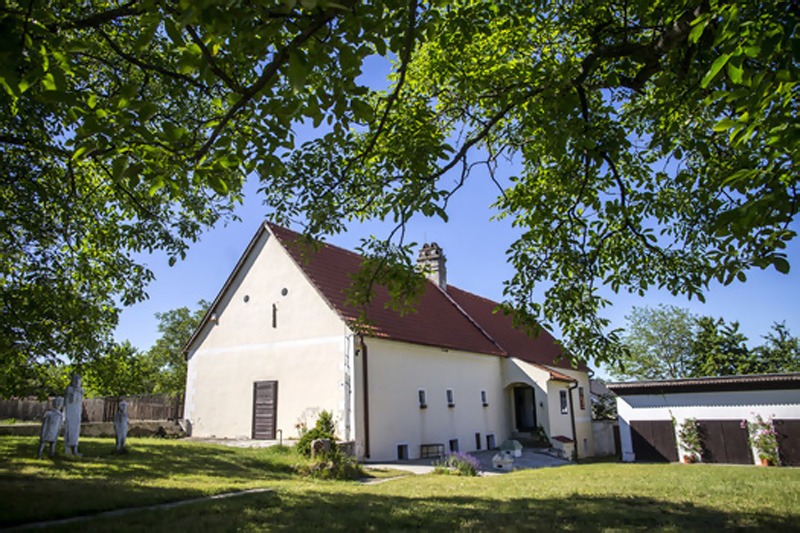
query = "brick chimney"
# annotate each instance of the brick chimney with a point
(431, 261)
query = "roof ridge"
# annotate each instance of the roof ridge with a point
(476, 295)
(469, 317)
(272, 226)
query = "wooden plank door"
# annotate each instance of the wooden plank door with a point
(265, 409)
(654, 440)
(725, 441)
(788, 441)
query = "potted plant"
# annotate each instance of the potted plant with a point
(764, 439)
(691, 440)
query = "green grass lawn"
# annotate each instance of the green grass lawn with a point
(580, 497)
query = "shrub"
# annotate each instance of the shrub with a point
(333, 465)
(460, 464)
(763, 438)
(324, 429)
(691, 440)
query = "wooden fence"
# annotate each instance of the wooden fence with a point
(140, 407)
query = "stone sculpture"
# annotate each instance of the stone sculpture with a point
(72, 415)
(320, 447)
(51, 426)
(121, 425)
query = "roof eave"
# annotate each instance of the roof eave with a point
(207, 316)
(709, 384)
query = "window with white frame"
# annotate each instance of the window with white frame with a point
(451, 402)
(581, 398)
(564, 404)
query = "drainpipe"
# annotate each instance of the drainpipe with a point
(572, 419)
(365, 383)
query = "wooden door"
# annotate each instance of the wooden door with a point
(265, 409)
(725, 441)
(788, 441)
(654, 440)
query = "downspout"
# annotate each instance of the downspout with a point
(572, 420)
(365, 383)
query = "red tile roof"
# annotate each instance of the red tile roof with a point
(453, 319)
(436, 322)
(543, 349)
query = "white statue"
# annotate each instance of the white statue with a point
(51, 426)
(72, 414)
(121, 425)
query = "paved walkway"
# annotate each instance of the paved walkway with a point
(243, 443)
(530, 459)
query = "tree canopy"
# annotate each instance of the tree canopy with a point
(668, 342)
(656, 140)
(660, 342)
(166, 357)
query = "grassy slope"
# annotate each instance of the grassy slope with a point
(590, 497)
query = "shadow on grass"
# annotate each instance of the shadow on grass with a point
(312, 509)
(153, 471)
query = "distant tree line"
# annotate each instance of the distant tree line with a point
(122, 370)
(668, 342)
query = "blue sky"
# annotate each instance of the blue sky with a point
(475, 249)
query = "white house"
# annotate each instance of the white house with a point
(278, 345)
(650, 411)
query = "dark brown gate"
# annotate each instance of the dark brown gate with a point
(654, 440)
(725, 441)
(265, 409)
(788, 441)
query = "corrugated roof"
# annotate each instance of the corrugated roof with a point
(453, 319)
(708, 384)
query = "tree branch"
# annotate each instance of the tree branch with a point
(148, 66)
(98, 19)
(405, 59)
(270, 71)
(648, 54)
(212, 62)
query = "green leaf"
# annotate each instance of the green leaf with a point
(49, 82)
(781, 265)
(147, 33)
(725, 124)
(158, 183)
(714, 70)
(697, 31)
(735, 72)
(173, 32)
(298, 70)
(118, 167)
(146, 111)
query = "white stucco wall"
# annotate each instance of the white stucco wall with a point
(306, 353)
(603, 435)
(548, 408)
(560, 422)
(396, 373)
(517, 371)
(738, 405)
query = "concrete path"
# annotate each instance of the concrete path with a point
(243, 443)
(122, 512)
(530, 459)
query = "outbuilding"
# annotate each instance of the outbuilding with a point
(724, 407)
